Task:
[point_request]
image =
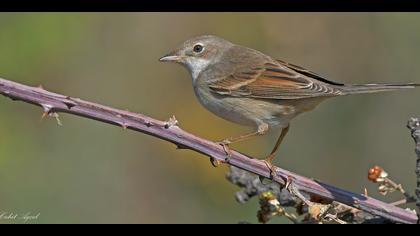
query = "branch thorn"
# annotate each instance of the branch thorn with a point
(171, 122)
(48, 111)
(215, 162)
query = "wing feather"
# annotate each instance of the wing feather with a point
(275, 81)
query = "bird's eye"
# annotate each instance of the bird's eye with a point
(198, 48)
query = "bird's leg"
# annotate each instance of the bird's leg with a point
(262, 129)
(269, 159)
(225, 142)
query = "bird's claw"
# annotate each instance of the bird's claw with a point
(271, 167)
(289, 181)
(225, 144)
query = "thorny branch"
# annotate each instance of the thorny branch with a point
(251, 187)
(53, 103)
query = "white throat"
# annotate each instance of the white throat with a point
(196, 66)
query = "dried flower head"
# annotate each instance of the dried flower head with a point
(377, 174)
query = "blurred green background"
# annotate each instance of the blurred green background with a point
(88, 172)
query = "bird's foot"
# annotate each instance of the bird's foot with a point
(225, 144)
(271, 167)
(288, 183)
(269, 163)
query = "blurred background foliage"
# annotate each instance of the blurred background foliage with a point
(88, 172)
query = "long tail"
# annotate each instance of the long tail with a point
(373, 88)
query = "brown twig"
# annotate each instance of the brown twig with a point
(53, 103)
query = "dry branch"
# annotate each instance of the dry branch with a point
(53, 103)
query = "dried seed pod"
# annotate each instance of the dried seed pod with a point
(377, 174)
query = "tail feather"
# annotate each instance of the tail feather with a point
(374, 88)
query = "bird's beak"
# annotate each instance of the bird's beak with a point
(171, 57)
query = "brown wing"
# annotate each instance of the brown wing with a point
(307, 72)
(275, 81)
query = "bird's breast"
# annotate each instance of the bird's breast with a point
(244, 111)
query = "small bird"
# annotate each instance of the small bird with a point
(247, 87)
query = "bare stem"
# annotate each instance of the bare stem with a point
(55, 103)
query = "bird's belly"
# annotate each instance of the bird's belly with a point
(247, 111)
